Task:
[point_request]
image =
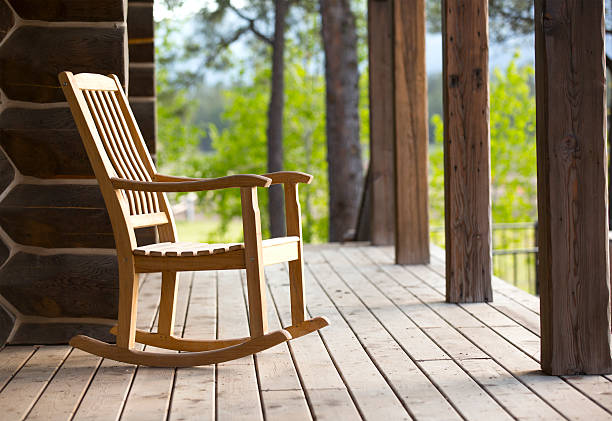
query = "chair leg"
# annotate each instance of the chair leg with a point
(296, 267)
(296, 288)
(253, 255)
(167, 304)
(128, 305)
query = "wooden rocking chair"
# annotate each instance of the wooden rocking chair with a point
(135, 197)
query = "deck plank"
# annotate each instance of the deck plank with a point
(328, 395)
(107, 393)
(194, 387)
(237, 386)
(394, 350)
(151, 389)
(21, 393)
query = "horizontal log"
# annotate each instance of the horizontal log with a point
(56, 118)
(142, 81)
(141, 52)
(144, 112)
(140, 21)
(46, 153)
(7, 20)
(7, 173)
(37, 285)
(7, 321)
(70, 10)
(59, 333)
(4, 253)
(57, 216)
(33, 56)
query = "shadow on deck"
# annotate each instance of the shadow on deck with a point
(394, 350)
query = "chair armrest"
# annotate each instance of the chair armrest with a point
(242, 180)
(293, 177)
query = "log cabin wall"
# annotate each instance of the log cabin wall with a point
(58, 272)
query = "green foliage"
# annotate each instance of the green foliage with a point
(513, 150)
(241, 148)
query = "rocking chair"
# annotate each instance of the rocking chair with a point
(135, 197)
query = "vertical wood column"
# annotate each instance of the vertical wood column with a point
(382, 120)
(467, 198)
(398, 118)
(412, 220)
(572, 195)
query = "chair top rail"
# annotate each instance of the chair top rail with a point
(95, 82)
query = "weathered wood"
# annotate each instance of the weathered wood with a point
(70, 10)
(34, 333)
(46, 153)
(141, 52)
(7, 20)
(7, 321)
(382, 121)
(411, 139)
(54, 48)
(140, 23)
(56, 216)
(37, 285)
(467, 197)
(142, 81)
(144, 112)
(574, 268)
(7, 174)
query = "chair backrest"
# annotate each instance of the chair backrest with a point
(116, 148)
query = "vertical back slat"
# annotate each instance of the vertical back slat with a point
(128, 142)
(125, 155)
(107, 146)
(119, 160)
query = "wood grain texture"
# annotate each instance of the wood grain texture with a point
(37, 285)
(411, 139)
(140, 21)
(146, 117)
(56, 216)
(34, 333)
(33, 56)
(70, 10)
(382, 120)
(572, 206)
(142, 81)
(7, 20)
(7, 321)
(7, 172)
(141, 52)
(467, 151)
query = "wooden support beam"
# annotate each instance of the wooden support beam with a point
(382, 133)
(572, 197)
(467, 151)
(412, 221)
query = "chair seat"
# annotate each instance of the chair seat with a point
(186, 249)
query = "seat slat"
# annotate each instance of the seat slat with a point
(185, 249)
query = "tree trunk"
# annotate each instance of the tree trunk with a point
(275, 120)
(343, 148)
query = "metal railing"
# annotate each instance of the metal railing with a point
(515, 253)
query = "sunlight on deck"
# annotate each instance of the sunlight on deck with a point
(394, 350)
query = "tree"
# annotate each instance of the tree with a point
(345, 170)
(253, 15)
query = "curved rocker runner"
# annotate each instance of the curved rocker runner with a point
(135, 197)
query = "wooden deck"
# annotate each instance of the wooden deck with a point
(394, 350)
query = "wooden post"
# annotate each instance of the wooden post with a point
(572, 196)
(467, 198)
(410, 94)
(382, 132)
